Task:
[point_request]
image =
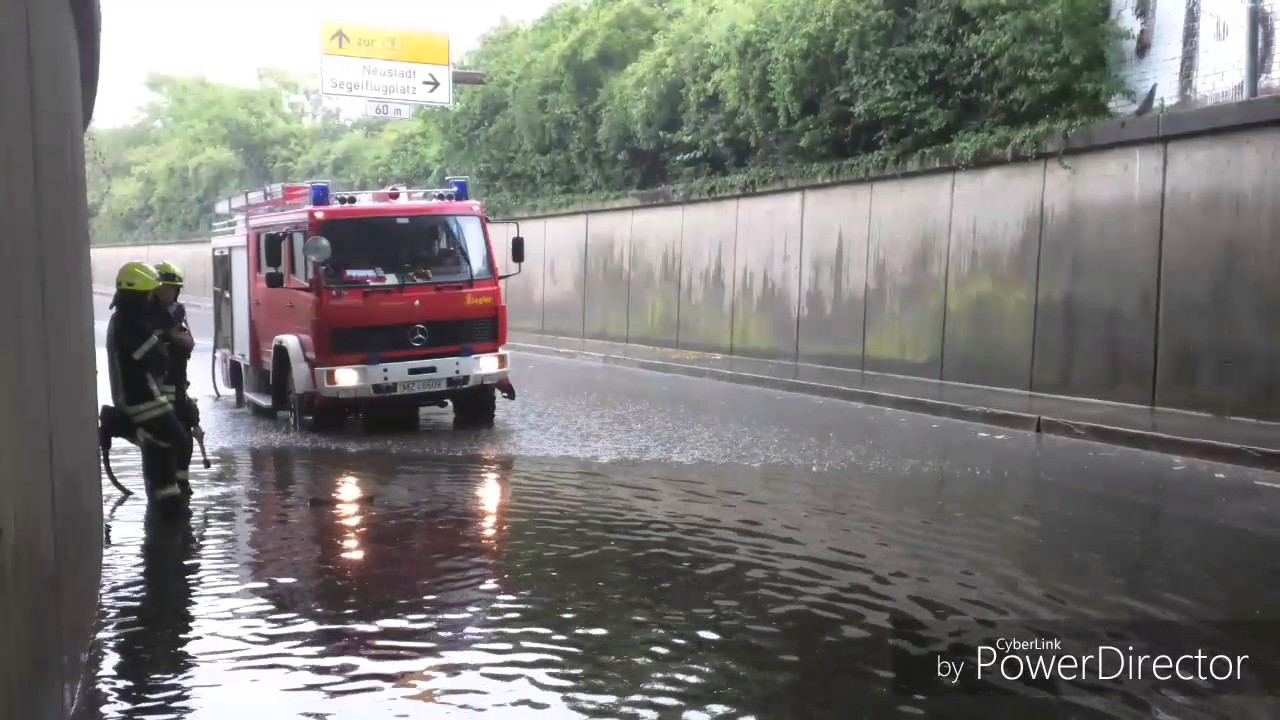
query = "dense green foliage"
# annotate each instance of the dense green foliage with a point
(602, 97)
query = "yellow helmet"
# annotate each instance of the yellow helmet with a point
(170, 274)
(137, 277)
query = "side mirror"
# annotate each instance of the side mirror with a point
(517, 250)
(317, 249)
(273, 248)
(275, 279)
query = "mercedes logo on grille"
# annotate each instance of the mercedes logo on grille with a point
(418, 336)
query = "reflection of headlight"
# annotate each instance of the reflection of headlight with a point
(344, 377)
(488, 364)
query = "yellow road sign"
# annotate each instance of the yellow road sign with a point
(410, 46)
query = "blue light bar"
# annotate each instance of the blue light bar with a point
(319, 193)
(461, 187)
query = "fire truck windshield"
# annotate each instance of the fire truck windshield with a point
(413, 249)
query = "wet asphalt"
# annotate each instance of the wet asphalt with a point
(629, 544)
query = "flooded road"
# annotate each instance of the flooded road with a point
(627, 544)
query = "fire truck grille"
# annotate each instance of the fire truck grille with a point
(398, 338)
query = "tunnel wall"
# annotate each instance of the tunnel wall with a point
(192, 258)
(1141, 267)
(50, 491)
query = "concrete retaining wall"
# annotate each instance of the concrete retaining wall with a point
(193, 258)
(50, 492)
(1144, 273)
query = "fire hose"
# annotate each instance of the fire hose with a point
(112, 423)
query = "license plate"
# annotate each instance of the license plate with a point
(417, 386)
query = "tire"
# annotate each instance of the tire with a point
(296, 408)
(476, 407)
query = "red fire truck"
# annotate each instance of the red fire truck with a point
(377, 303)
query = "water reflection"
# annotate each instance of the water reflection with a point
(151, 634)
(370, 584)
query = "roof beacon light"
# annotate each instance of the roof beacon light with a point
(319, 193)
(461, 187)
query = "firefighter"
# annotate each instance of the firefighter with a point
(137, 361)
(172, 317)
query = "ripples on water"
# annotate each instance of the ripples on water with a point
(442, 574)
(328, 584)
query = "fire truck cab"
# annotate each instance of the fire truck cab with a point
(330, 305)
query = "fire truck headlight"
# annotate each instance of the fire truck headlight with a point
(344, 377)
(490, 363)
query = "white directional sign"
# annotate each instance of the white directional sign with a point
(388, 110)
(386, 80)
(387, 64)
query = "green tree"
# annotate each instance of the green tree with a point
(614, 96)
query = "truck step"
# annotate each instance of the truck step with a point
(262, 400)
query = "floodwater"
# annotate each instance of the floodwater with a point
(613, 550)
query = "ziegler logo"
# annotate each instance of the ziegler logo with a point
(485, 300)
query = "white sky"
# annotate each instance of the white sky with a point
(228, 40)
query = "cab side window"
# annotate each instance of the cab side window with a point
(301, 266)
(262, 253)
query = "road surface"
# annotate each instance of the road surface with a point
(629, 544)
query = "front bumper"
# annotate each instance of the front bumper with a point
(435, 377)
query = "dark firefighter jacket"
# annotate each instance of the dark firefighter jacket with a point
(174, 383)
(136, 360)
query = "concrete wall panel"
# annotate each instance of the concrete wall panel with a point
(500, 235)
(524, 291)
(1219, 339)
(766, 290)
(1095, 330)
(653, 314)
(500, 238)
(906, 275)
(607, 282)
(706, 275)
(991, 276)
(193, 258)
(104, 262)
(833, 266)
(195, 261)
(50, 493)
(30, 656)
(564, 275)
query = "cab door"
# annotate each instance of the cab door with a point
(271, 315)
(300, 302)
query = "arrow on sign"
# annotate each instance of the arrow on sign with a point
(433, 83)
(341, 37)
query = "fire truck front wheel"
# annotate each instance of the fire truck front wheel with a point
(475, 407)
(296, 406)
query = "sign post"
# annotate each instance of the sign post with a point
(386, 66)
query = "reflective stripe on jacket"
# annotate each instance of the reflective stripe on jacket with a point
(133, 352)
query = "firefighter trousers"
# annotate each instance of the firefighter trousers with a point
(182, 407)
(163, 442)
